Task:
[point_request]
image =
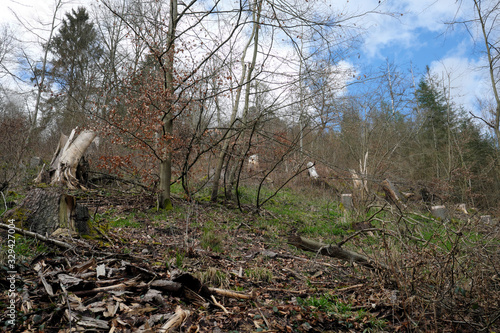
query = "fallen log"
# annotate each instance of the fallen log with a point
(333, 251)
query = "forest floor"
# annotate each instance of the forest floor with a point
(204, 267)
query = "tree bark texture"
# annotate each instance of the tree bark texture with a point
(66, 161)
(44, 210)
(68, 165)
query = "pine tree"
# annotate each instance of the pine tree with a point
(76, 52)
(437, 126)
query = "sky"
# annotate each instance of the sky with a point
(407, 33)
(417, 35)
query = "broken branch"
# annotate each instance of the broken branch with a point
(333, 251)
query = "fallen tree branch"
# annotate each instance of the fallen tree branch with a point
(38, 236)
(229, 293)
(219, 305)
(333, 251)
(121, 286)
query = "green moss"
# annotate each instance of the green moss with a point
(20, 215)
(167, 204)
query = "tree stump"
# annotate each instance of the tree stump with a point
(439, 212)
(44, 210)
(346, 200)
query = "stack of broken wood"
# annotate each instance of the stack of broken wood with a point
(111, 293)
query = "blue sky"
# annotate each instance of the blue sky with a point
(417, 35)
(402, 32)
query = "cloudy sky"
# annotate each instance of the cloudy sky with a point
(403, 32)
(418, 34)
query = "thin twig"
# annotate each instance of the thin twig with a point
(219, 304)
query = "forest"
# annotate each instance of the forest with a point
(216, 166)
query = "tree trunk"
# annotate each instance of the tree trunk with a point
(44, 210)
(68, 161)
(255, 38)
(167, 128)
(392, 194)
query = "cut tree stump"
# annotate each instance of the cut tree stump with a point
(44, 210)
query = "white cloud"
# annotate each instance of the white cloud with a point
(399, 23)
(465, 79)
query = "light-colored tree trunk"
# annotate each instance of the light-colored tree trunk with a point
(68, 154)
(220, 163)
(491, 67)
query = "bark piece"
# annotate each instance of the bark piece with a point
(167, 285)
(179, 317)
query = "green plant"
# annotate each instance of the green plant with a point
(213, 277)
(210, 240)
(179, 259)
(327, 303)
(24, 248)
(124, 222)
(259, 274)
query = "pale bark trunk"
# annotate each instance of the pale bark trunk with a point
(65, 161)
(496, 121)
(222, 155)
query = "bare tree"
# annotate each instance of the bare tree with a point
(165, 42)
(485, 21)
(487, 18)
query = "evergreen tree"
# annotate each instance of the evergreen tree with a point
(77, 53)
(436, 130)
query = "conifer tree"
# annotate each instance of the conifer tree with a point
(76, 53)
